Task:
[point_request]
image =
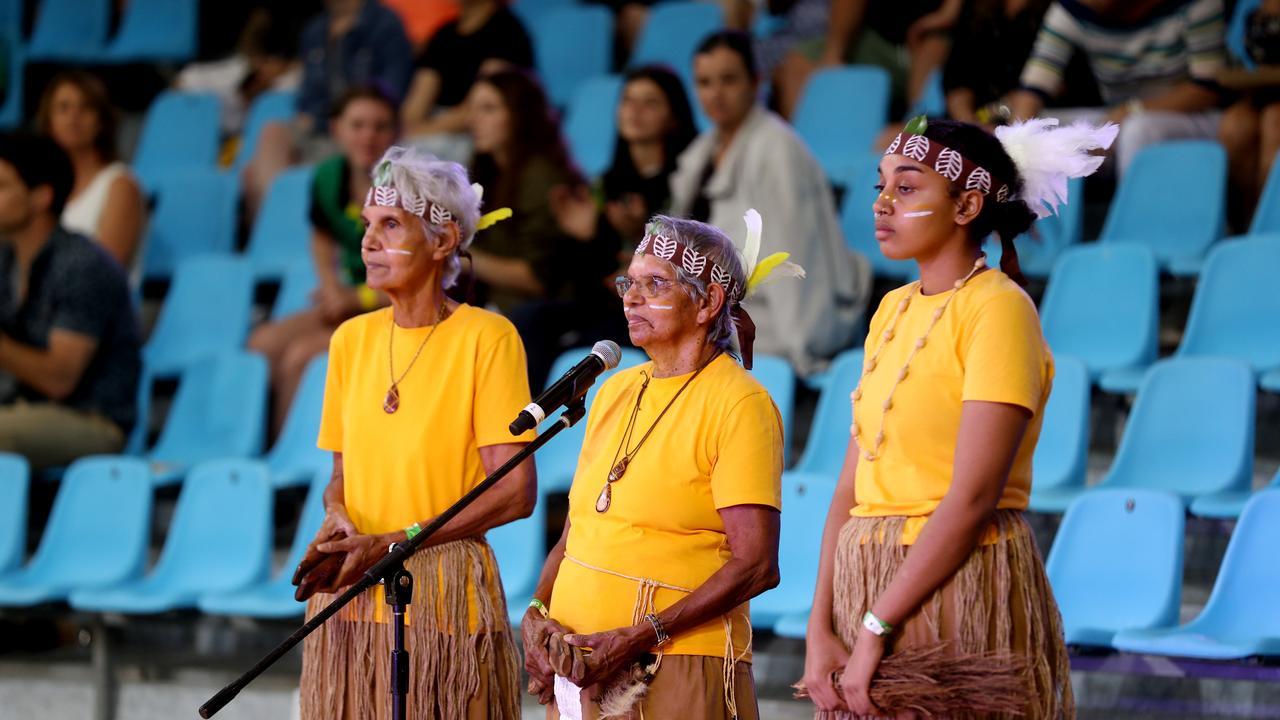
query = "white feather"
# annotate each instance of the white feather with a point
(479, 190)
(751, 251)
(1048, 156)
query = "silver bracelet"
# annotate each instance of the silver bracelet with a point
(661, 632)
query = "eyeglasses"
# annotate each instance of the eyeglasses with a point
(650, 286)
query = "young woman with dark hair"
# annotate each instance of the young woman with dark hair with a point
(925, 545)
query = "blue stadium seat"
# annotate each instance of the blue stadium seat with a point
(1173, 200)
(1059, 463)
(195, 214)
(295, 291)
(858, 223)
(274, 106)
(1101, 591)
(1102, 306)
(180, 132)
(557, 461)
(15, 484)
(563, 66)
(1236, 28)
(69, 31)
(933, 102)
(219, 540)
(1226, 505)
(273, 599)
(806, 498)
(11, 16)
(281, 236)
(673, 31)
(521, 549)
(136, 444)
(1191, 431)
(1240, 619)
(829, 434)
(590, 126)
(1229, 316)
(294, 457)
(219, 411)
(840, 114)
(778, 377)
(1266, 217)
(97, 533)
(155, 31)
(11, 115)
(207, 310)
(530, 10)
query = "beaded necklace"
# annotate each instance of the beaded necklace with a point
(874, 454)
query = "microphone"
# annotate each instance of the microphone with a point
(605, 355)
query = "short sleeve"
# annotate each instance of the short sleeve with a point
(331, 415)
(748, 466)
(86, 296)
(1004, 354)
(502, 390)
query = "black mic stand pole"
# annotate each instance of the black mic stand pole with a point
(397, 583)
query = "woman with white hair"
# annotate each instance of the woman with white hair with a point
(674, 510)
(416, 407)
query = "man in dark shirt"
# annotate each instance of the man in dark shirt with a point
(69, 348)
(486, 36)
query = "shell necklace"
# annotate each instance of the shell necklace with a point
(873, 454)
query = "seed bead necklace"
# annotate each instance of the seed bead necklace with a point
(874, 454)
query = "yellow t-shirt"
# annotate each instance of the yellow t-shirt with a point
(459, 396)
(987, 347)
(719, 445)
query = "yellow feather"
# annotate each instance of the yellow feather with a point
(493, 218)
(764, 267)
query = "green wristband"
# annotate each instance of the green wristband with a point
(541, 608)
(411, 531)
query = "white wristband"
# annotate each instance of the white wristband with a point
(876, 625)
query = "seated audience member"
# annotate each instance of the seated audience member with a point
(364, 126)
(655, 123)
(909, 39)
(1156, 63)
(751, 158)
(990, 46)
(106, 204)
(69, 341)
(1251, 127)
(485, 37)
(353, 43)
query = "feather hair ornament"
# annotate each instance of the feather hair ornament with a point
(1047, 156)
(493, 217)
(762, 270)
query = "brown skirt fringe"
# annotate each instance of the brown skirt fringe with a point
(999, 600)
(456, 673)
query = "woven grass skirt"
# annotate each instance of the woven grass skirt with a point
(463, 659)
(999, 600)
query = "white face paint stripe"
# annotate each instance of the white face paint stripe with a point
(918, 213)
(659, 307)
(396, 251)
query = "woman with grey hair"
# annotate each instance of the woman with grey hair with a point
(414, 422)
(673, 513)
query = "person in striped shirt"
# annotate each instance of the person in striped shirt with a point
(1156, 63)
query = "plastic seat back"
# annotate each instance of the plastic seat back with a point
(563, 66)
(1061, 454)
(158, 31)
(194, 214)
(1173, 200)
(673, 32)
(806, 498)
(1246, 593)
(294, 456)
(1229, 316)
(207, 311)
(1101, 591)
(829, 435)
(778, 377)
(1102, 306)
(180, 132)
(590, 125)
(15, 485)
(841, 112)
(281, 236)
(1191, 431)
(69, 30)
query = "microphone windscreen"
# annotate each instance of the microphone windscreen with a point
(608, 352)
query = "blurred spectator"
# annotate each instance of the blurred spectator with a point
(1251, 127)
(1156, 63)
(423, 18)
(353, 43)
(69, 347)
(752, 159)
(106, 203)
(486, 37)
(909, 39)
(655, 123)
(990, 46)
(363, 126)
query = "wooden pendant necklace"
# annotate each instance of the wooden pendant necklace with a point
(619, 466)
(391, 401)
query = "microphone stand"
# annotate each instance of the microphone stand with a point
(397, 581)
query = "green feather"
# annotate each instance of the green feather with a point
(916, 125)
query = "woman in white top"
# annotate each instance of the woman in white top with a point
(106, 203)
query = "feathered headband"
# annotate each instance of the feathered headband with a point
(1046, 156)
(758, 272)
(382, 192)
